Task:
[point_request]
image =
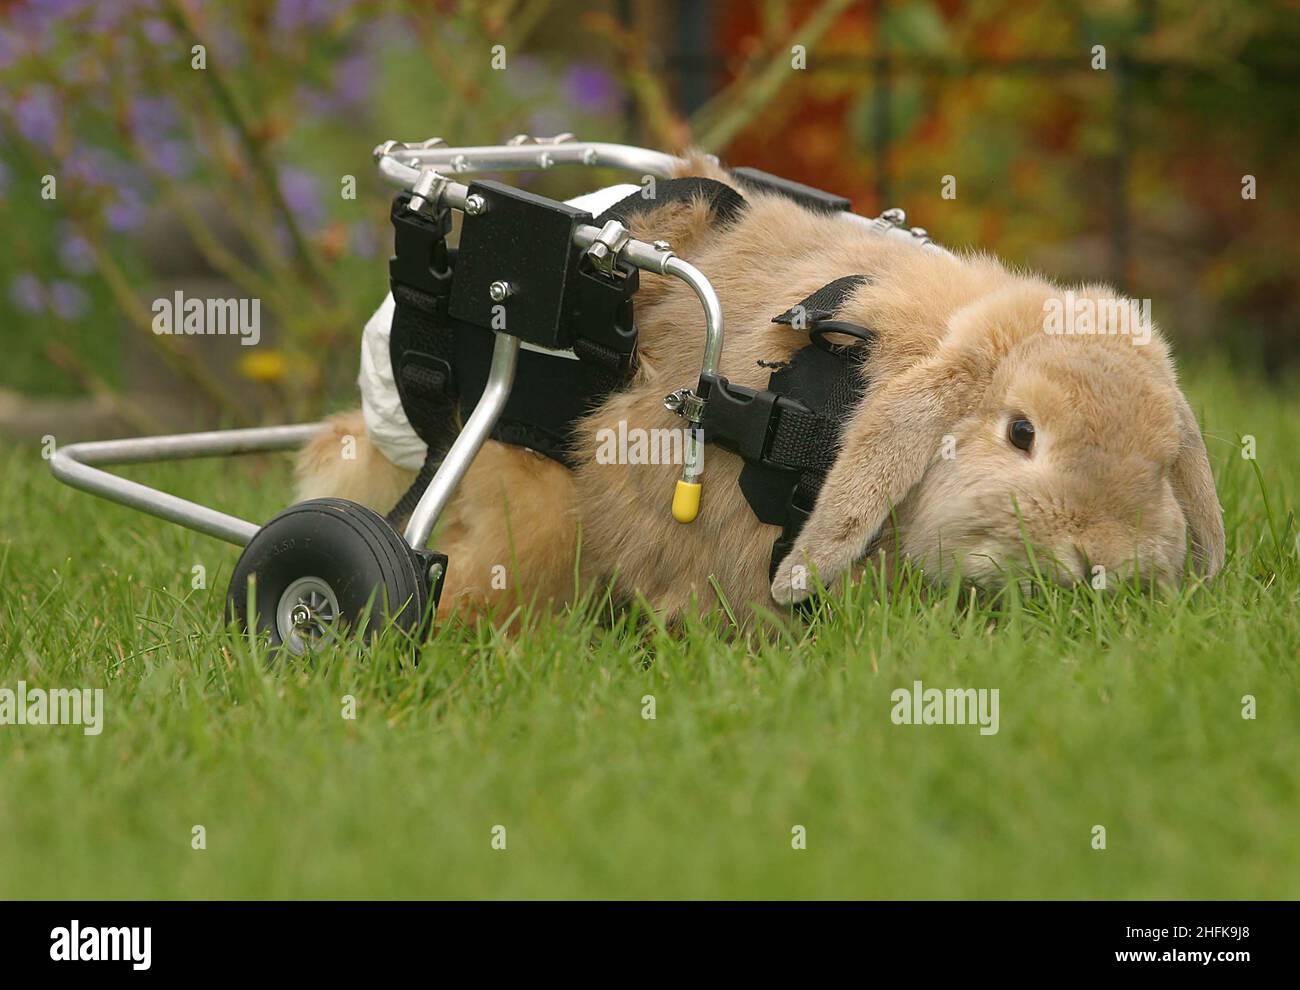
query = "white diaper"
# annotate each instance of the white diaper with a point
(386, 421)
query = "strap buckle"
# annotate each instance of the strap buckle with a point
(743, 419)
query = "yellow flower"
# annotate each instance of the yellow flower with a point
(264, 366)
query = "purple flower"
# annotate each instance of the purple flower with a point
(88, 165)
(158, 32)
(37, 116)
(67, 300)
(591, 89)
(172, 158)
(315, 100)
(362, 240)
(126, 212)
(294, 15)
(110, 16)
(75, 251)
(27, 293)
(353, 79)
(299, 191)
(151, 118)
(8, 48)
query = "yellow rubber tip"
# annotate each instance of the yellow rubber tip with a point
(686, 501)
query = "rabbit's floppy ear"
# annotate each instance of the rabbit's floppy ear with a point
(887, 446)
(1193, 485)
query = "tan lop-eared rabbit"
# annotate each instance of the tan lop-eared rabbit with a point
(1115, 475)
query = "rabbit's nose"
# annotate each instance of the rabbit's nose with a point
(1069, 564)
(1105, 572)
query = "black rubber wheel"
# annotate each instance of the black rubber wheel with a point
(319, 569)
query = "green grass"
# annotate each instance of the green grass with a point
(1124, 713)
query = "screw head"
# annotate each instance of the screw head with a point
(300, 615)
(499, 291)
(662, 246)
(895, 216)
(475, 204)
(920, 233)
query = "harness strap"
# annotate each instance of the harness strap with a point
(822, 304)
(814, 394)
(723, 201)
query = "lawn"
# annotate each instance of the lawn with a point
(1124, 712)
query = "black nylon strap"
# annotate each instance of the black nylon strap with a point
(421, 352)
(805, 436)
(400, 514)
(724, 202)
(824, 303)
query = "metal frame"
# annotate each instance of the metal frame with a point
(415, 167)
(75, 465)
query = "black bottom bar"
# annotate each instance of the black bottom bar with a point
(1225, 941)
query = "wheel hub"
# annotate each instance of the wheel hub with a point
(307, 614)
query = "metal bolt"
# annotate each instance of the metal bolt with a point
(920, 233)
(300, 615)
(475, 204)
(544, 160)
(459, 163)
(895, 216)
(662, 246)
(589, 156)
(435, 573)
(499, 291)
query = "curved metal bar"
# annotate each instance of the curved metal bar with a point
(501, 376)
(404, 166)
(530, 157)
(74, 465)
(715, 326)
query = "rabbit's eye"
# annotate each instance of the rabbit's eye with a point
(1020, 433)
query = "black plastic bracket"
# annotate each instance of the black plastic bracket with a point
(427, 559)
(523, 243)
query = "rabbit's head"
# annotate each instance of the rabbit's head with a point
(1020, 447)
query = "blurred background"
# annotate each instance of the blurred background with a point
(1149, 144)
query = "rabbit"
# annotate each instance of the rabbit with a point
(933, 465)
